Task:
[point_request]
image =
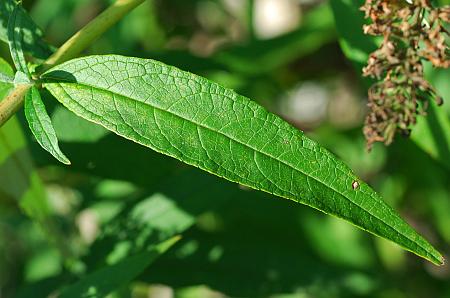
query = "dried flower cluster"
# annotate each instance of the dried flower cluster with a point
(412, 33)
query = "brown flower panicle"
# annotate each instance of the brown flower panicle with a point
(412, 32)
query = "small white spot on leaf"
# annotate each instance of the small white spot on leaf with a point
(355, 184)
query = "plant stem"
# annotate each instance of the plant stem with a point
(11, 104)
(88, 34)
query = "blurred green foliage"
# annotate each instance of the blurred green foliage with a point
(119, 200)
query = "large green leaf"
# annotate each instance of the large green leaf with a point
(41, 125)
(100, 283)
(203, 124)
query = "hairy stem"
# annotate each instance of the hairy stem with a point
(88, 34)
(11, 104)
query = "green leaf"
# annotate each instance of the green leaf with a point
(16, 39)
(100, 283)
(41, 125)
(32, 35)
(206, 125)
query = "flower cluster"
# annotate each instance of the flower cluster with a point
(412, 32)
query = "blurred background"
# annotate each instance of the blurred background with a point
(58, 224)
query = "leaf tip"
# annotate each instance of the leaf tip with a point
(63, 159)
(438, 259)
(66, 162)
(60, 156)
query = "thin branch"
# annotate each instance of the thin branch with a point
(12, 103)
(88, 34)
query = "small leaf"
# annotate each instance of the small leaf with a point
(15, 39)
(105, 280)
(41, 125)
(33, 42)
(206, 125)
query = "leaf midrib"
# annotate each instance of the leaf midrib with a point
(248, 146)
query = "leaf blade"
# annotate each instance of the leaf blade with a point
(203, 124)
(15, 40)
(41, 125)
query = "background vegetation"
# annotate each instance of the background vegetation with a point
(301, 60)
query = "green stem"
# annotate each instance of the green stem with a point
(88, 34)
(12, 103)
